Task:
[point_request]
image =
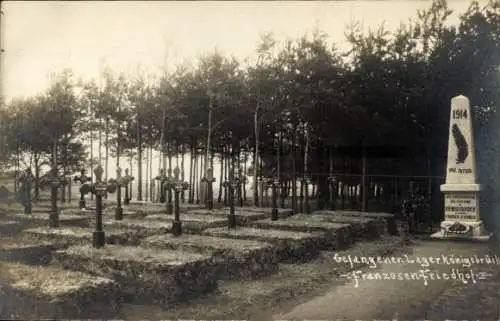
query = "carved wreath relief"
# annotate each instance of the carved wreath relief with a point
(461, 143)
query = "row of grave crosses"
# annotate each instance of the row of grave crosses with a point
(275, 184)
(237, 182)
(122, 181)
(26, 182)
(165, 192)
(166, 180)
(101, 188)
(177, 186)
(25, 195)
(209, 179)
(232, 185)
(172, 184)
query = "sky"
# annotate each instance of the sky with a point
(44, 37)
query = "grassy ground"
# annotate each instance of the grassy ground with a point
(259, 298)
(248, 299)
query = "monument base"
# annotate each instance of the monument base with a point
(471, 231)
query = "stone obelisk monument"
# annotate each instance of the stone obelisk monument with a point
(461, 190)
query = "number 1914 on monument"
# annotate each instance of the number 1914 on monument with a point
(460, 114)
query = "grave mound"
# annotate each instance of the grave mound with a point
(64, 219)
(361, 227)
(24, 252)
(389, 219)
(290, 246)
(282, 212)
(46, 208)
(10, 227)
(336, 235)
(157, 208)
(143, 228)
(192, 222)
(34, 293)
(67, 236)
(145, 274)
(127, 213)
(74, 211)
(242, 217)
(234, 258)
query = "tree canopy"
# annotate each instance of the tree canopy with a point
(390, 91)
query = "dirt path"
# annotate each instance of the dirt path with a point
(386, 299)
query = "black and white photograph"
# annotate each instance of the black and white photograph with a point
(250, 160)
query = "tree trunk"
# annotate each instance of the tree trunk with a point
(139, 173)
(306, 169)
(256, 159)
(160, 161)
(263, 187)
(344, 179)
(183, 195)
(91, 172)
(293, 155)
(199, 181)
(177, 158)
(65, 186)
(364, 185)
(280, 180)
(221, 177)
(169, 157)
(150, 174)
(226, 175)
(324, 190)
(301, 197)
(323, 186)
(245, 176)
(146, 196)
(191, 177)
(37, 176)
(240, 189)
(152, 181)
(131, 160)
(158, 169)
(106, 152)
(195, 177)
(99, 142)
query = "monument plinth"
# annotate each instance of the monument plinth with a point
(461, 190)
